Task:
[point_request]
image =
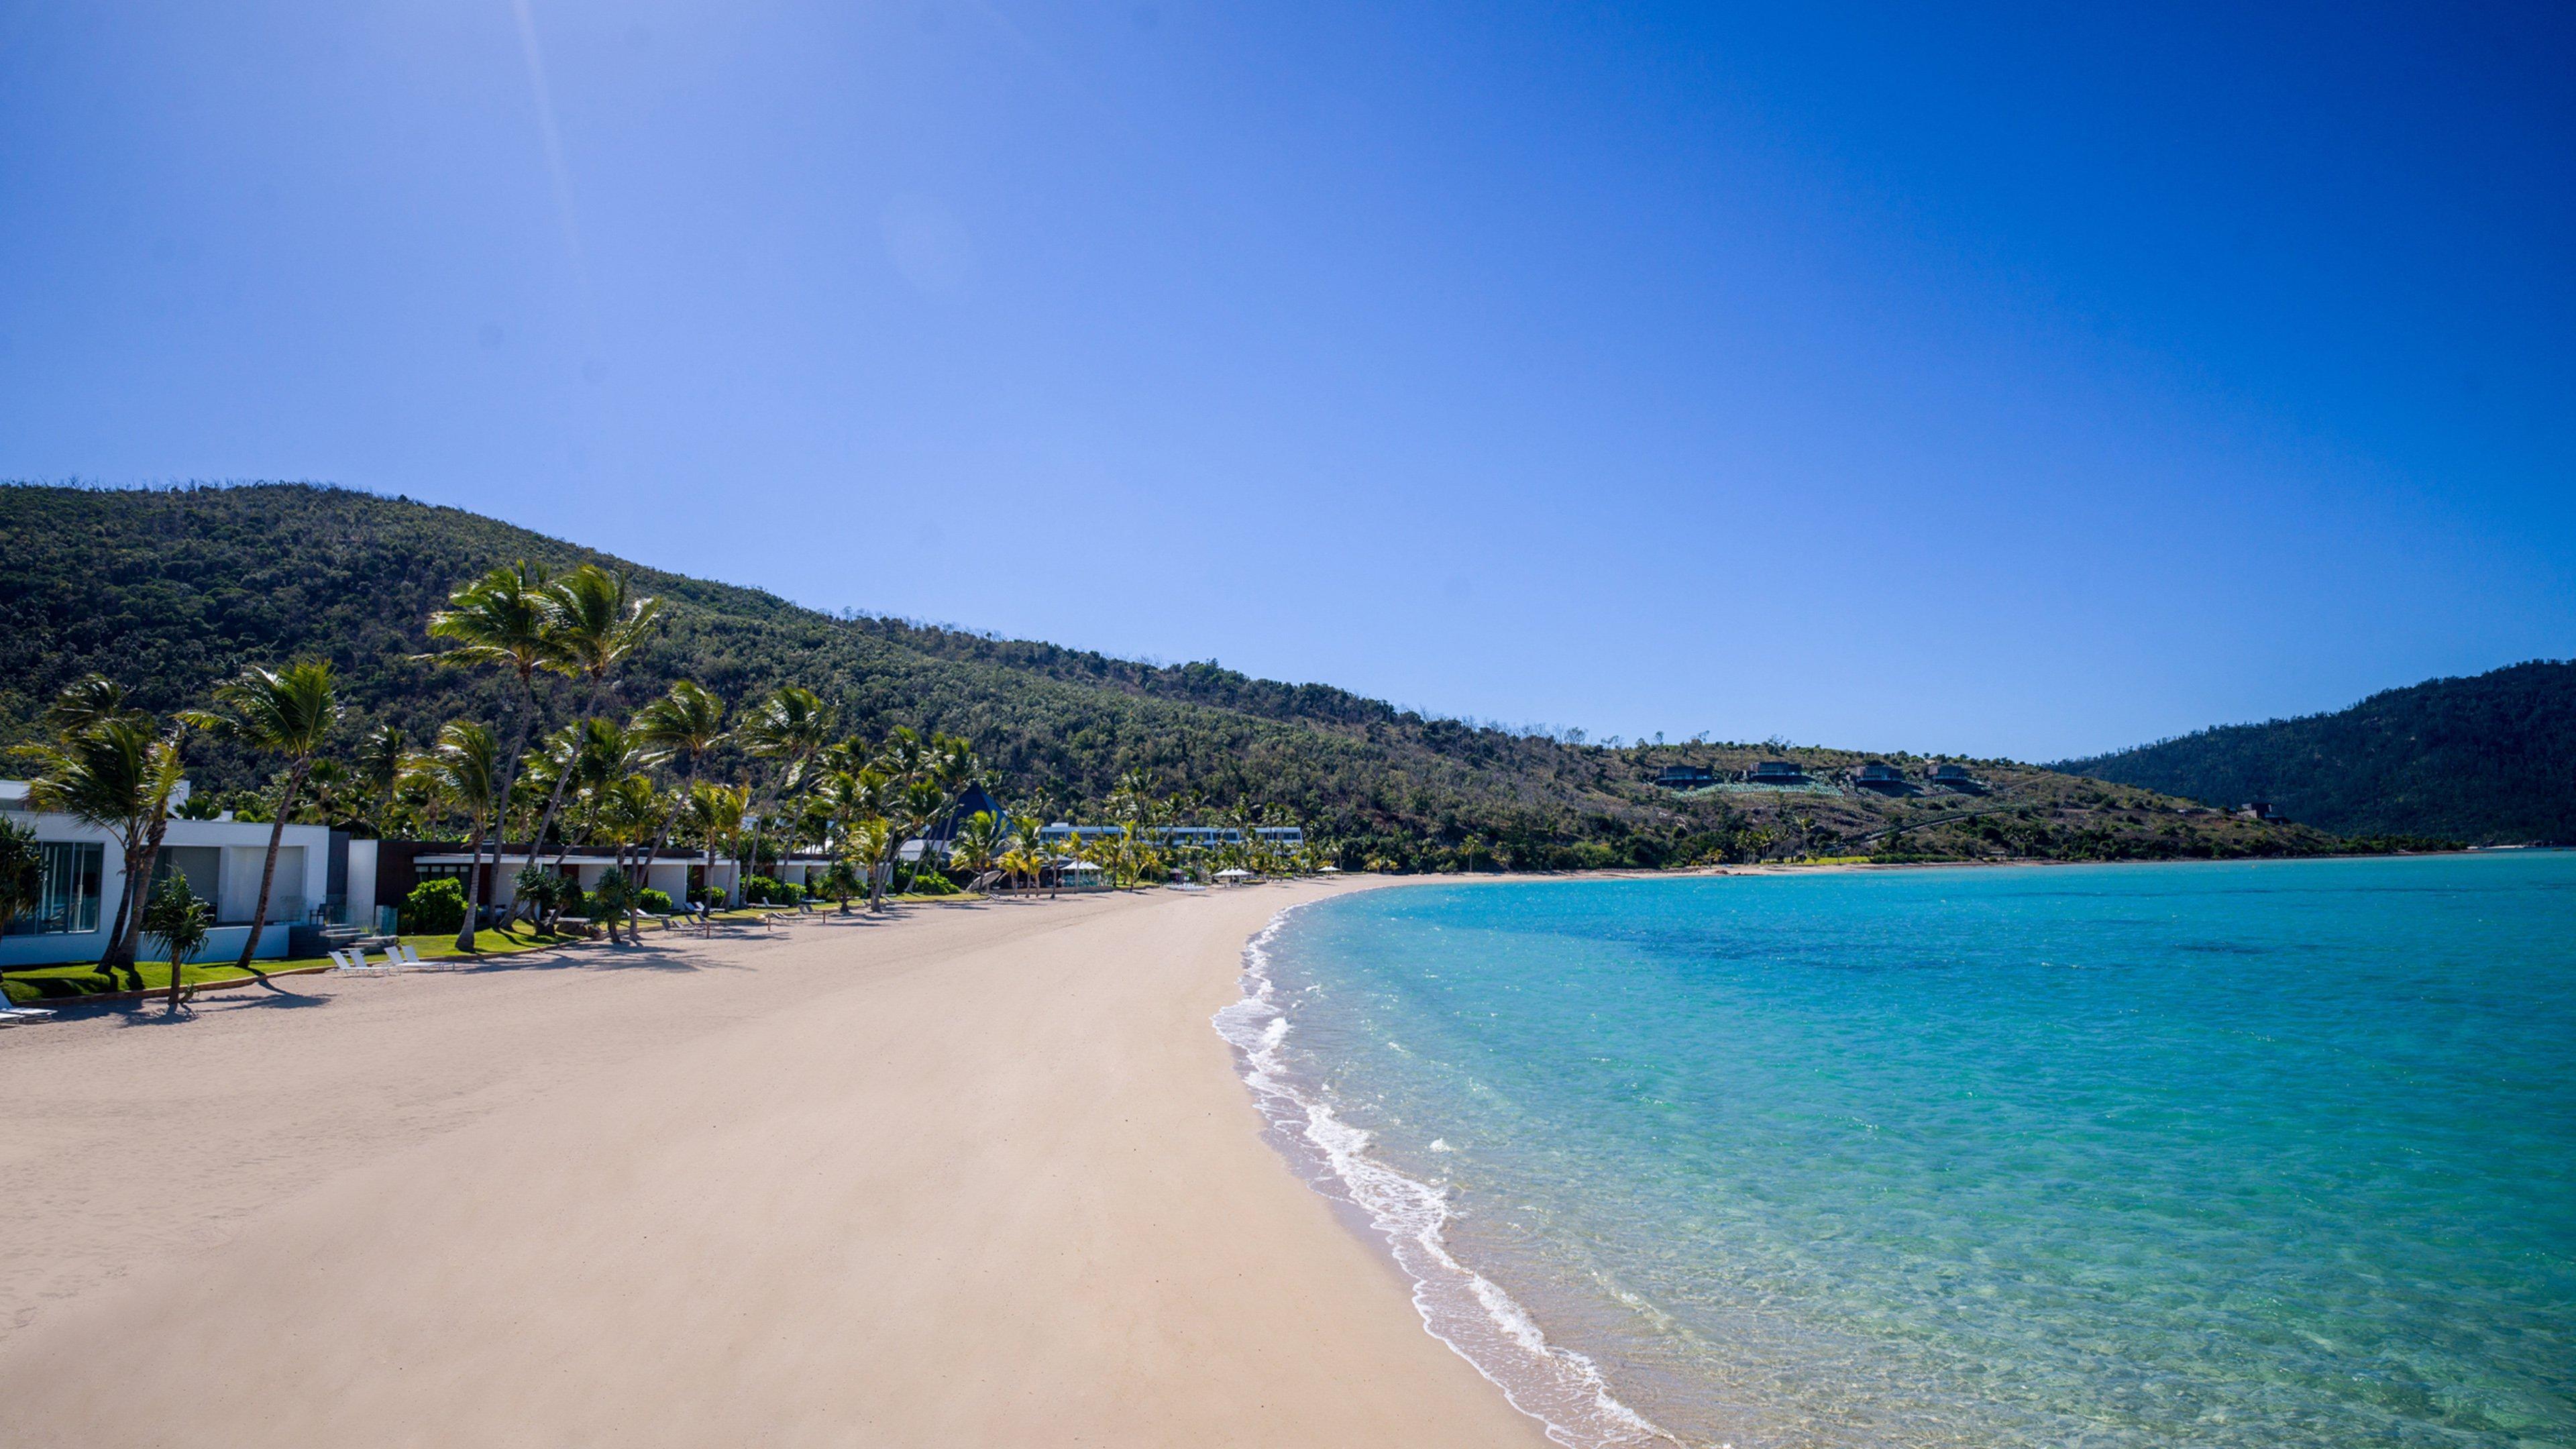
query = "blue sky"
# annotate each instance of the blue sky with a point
(2013, 381)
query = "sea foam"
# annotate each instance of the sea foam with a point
(1562, 1389)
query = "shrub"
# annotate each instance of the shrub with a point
(656, 901)
(788, 893)
(932, 883)
(758, 890)
(434, 907)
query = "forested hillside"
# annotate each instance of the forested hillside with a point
(168, 591)
(2489, 759)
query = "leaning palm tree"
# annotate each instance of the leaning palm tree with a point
(714, 814)
(594, 755)
(686, 723)
(788, 729)
(865, 841)
(593, 624)
(88, 700)
(500, 619)
(380, 764)
(632, 813)
(979, 842)
(118, 774)
(463, 770)
(287, 712)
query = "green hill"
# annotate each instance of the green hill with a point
(2489, 759)
(171, 590)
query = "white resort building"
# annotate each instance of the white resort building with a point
(84, 877)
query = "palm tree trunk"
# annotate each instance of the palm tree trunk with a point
(138, 876)
(554, 802)
(267, 870)
(124, 903)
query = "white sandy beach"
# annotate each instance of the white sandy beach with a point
(982, 1175)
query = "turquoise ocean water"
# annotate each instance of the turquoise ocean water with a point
(2206, 1154)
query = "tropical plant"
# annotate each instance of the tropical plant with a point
(288, 712)
(841, 882)
(979, 843)
(593, 625)
(686, 723)
(613, 898)
(379, 772)
(869, 842)
(198, 806)
(594, 754)
(501, 619)
(112, 770)
(181, 921)
(461, 770)
(22, 873)
(435, 907)
(633, 814)
(714, 815)
(89, 700)
(788, 729)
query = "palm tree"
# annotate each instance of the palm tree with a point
(791, 726)
(499, 619)
(380, 762)
(89, 700)
(463, 769)
(594, 754)
(1029, 831)
(979, 842)
(1246, 819)
(714, 813)
(592, 625)
(117, 774)
(180, 919)
(634, 811)
(287, 712)
(687, 722)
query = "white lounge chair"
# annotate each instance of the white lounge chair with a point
(354, 959)
(22, 1015)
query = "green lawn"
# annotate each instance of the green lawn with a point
(84, 978)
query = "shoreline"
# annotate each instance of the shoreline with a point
(981, 1173)
(1478, 1319)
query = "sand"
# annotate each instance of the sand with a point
(982, 1175)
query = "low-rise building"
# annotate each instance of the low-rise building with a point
(1686, 777)
(1282, 837)
(221, 859)
(1776, 772)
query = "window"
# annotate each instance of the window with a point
(67, 902)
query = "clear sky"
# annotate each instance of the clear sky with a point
(2025, 382)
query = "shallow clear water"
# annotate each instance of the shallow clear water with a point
(2265, 1154)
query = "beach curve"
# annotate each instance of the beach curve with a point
(982, 1175)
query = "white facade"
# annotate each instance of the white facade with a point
(1288, 837)
(669, 873)
(221, 860)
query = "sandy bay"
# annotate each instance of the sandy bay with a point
(983, 1174)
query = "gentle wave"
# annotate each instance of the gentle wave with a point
(1562, 1389)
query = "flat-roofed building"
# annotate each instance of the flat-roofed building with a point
(83, 880)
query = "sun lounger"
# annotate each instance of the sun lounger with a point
(356, 960)
(23, 1015)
